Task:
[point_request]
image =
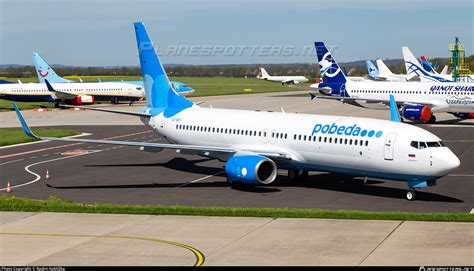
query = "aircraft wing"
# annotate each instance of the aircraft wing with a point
(156, 147)
(350, 99)
(138, 114)
(59, 94)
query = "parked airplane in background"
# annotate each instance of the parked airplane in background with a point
(255, 144)
(417, 99)
(414, 67)
(72, 93)
(45, 71)
(283, 79)
(383, 73)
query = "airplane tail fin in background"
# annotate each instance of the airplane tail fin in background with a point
(373, 71)
(330, 71)
(411, 63)
(383, 69)
(427, 65)
(45, 71)
(264, 73)
(445, 70)
(160, 95)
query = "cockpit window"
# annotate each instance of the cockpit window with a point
(442, 144)
(185, 86)
(139, 88)
(433, 144)
(423, 145)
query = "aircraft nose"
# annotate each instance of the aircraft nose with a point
(450, 162)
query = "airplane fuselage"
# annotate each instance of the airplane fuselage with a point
(38, 92)
(444, 97)
(347, 145)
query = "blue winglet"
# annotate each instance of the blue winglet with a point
(394, 116)
(48, 85)
(26, 129)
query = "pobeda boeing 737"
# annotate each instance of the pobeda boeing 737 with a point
(255, 144)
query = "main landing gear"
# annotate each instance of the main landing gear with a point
(411, 194)
(297, 174)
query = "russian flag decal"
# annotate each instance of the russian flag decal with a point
(410, 155)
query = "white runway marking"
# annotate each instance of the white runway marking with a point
(38, 177)
(200, 179)
(472, 211)
(9, 162)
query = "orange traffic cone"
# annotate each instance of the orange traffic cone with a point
(47, 175)
(9, 189)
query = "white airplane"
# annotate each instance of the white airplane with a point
(283, 79)
(71, 93)
(414, 67)
(417, 100)
(45, 71)
(385, 74)
(255, 144)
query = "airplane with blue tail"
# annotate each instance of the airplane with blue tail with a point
(255, 144)
(417, 100)
(45, 71)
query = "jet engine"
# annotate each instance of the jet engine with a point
(251, 169)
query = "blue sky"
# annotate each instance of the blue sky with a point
(88, 33)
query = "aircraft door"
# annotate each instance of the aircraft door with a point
(389, 146)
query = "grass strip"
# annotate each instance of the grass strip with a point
(54, 204)
(10, 136)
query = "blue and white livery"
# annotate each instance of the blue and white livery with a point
(417, 100)
(255, 144)
(45, 71)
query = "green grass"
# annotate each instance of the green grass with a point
(10, 136)
(53, 204)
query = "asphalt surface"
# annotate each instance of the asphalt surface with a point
(90, 173)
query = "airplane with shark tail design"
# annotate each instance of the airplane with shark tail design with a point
(417, 100)
(254, 144)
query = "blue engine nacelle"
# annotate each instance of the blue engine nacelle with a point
(417, 112)
(251, 169)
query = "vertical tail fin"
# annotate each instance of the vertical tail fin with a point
(330, 71)
(159, 93)
(414, 67)
(411, 63)
(427, 65)
(44, 71)
(264, 73)
(373, 71)
(384, 70)
(445, 70)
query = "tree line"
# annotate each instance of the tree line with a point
(311, 70)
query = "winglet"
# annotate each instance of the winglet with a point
(394, 116)
(26, 129)
(48, 85)
(312, 96)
